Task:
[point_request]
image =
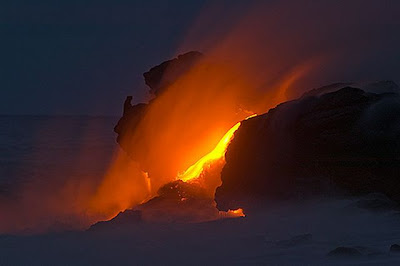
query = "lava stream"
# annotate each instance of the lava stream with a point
(217, 153)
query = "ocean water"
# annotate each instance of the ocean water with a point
(56, 148)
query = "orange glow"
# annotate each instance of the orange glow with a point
(232, 213)
(195, 170)
(250, 65)
(218, 152)
(148, 182)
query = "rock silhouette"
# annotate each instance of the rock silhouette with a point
(160, 77)
(345, 141)
(395, 248)
(157, 78)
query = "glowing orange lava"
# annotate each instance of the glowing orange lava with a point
(232, 213)
(217, 153)
(148, 182)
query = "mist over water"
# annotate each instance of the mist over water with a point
(281, 233)
(47, 165)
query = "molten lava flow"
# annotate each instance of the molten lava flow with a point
(217, 153)
(148, 182)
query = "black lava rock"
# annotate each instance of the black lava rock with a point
(127, 217)
(344, 252)
(157, 78)
(395, 248)
(345, 141)
(160, 77)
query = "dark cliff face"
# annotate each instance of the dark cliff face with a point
(347, 139)
(158, 79)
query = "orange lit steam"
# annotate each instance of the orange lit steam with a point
(192, 117)
(249, 67)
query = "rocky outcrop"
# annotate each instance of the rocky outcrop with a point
(395, 249)
(160, 77)
(179, 202)
(157, 78)
(127, 217)
(328, 141)
(376, 202)
(176, 202)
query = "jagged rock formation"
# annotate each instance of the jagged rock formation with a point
(157, 78)
(180, 202)
(345, 138)
(160, 77)
(177, 202)
(395, 249)
(127, 217)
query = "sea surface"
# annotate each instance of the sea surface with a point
(56, 148)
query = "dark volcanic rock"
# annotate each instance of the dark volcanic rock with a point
(344, 252)
(395, 249)
(179, 190)
(348, 139)
(126, 217)
(180, 202)
(157, 78)
(326, 89)
(129, 121)
(176, 202)
(386, 86)
(376, 202)
(163, 75)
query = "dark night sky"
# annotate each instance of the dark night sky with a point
(70, 57)
(65, 57)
